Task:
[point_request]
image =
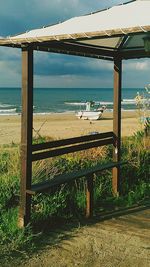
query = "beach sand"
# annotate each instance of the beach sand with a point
(63, 126)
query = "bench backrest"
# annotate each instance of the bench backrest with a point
(65, 146)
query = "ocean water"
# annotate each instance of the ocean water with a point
(60, 100)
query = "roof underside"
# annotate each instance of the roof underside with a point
(119, 30)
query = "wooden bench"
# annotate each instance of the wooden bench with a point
(56, 148)
(58, 180)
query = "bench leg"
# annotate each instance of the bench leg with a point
(89, 197)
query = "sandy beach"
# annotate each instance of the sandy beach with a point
(64, 125)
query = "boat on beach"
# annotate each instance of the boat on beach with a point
(89, 113)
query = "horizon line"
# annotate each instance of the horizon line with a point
(17, 87)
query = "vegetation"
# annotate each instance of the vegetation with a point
(69, 200)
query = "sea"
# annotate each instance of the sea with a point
(65, 100)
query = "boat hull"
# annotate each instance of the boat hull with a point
(89, 115)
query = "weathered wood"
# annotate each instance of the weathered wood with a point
(89, 197)
(71, 141)
(117, 123)
(75, 48)
(71, 149)
(69, 177)
(26, 135)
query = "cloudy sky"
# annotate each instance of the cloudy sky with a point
(52, 70)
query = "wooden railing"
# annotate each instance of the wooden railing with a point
(65, 146)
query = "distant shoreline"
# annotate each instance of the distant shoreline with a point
(60, 113)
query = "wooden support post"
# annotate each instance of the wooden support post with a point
(89, 197)
(117, 123)
(26, 136)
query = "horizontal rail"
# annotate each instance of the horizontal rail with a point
(70, 141)
(75, 148)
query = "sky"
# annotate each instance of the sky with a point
(53, 70)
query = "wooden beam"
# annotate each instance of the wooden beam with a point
(75, 49)
(71, 141)
(72, 53)
(26, 135)
(71, 149)
(89, 196)
(117, 123)
(134, 53)
(86, 48)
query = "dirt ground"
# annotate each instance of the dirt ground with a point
(118, 242)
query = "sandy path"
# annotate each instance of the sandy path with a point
(64, 125)
(121, 242)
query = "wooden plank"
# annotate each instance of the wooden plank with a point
(70, 141)
(136, 53)
(117, 123)
(89, 197)
(71, 149)
(26, 135)
(68, 177)
(77, 47)
(72, 53)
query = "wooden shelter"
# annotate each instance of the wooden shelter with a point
(119, 33)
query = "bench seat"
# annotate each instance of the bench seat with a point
(66, 178)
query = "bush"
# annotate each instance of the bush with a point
(69, 200)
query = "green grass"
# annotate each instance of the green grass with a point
(69, 200)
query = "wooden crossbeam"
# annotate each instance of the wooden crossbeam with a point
(71, 141)
(71, 149)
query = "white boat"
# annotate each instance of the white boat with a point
(89, 114)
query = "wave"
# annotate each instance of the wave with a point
(130, 110)
(104, 103)
(128, 102)
(124, 102)
(54, 112)
(75, 103)
(133, 101)
(6, 106)
(13, 110)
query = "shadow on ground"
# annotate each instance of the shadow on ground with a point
(53, 232)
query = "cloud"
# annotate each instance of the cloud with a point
(136, 73)
(74, 81)
(137, 65)
(59, 70)
(9, 75)
(142, 66)
(19, 16)
(51, 64)
(10, 54)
